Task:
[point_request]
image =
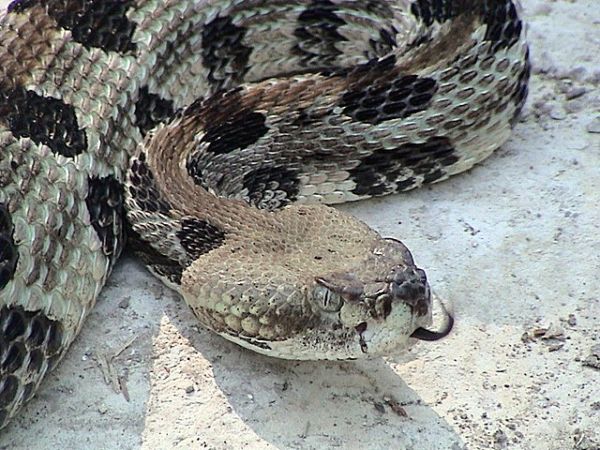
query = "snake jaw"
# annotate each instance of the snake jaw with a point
(360, 329)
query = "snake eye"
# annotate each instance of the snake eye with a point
(326, 299)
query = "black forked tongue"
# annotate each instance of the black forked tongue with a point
(424, 334)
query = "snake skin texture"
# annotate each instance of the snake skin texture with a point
(210, 133)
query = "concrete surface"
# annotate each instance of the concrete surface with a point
(514, 244)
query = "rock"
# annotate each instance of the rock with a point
(124, 304)
(554, 331)
(574, 92)
(558, 113)
(575, 106)
(593, 360)
(500, 439)
(594, 126)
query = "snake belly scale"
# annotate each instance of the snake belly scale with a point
(211, 133)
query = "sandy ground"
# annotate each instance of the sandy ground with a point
(514, 244)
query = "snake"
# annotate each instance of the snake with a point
(213, 136)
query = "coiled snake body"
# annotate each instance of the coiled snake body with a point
(212, 131)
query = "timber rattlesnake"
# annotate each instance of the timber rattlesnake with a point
(251, 114)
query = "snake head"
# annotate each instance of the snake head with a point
(382, 302)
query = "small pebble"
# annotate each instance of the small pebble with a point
(554, 331)
(565, 85)
(189, 389)
(379, 407)
(575, 106)
(593, 360)
(577, 73)
(282, 386)
(500, 439)
(558, 113)
(594, 126)
(555, 347)
(574, 92)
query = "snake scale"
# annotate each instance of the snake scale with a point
(212, 134)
